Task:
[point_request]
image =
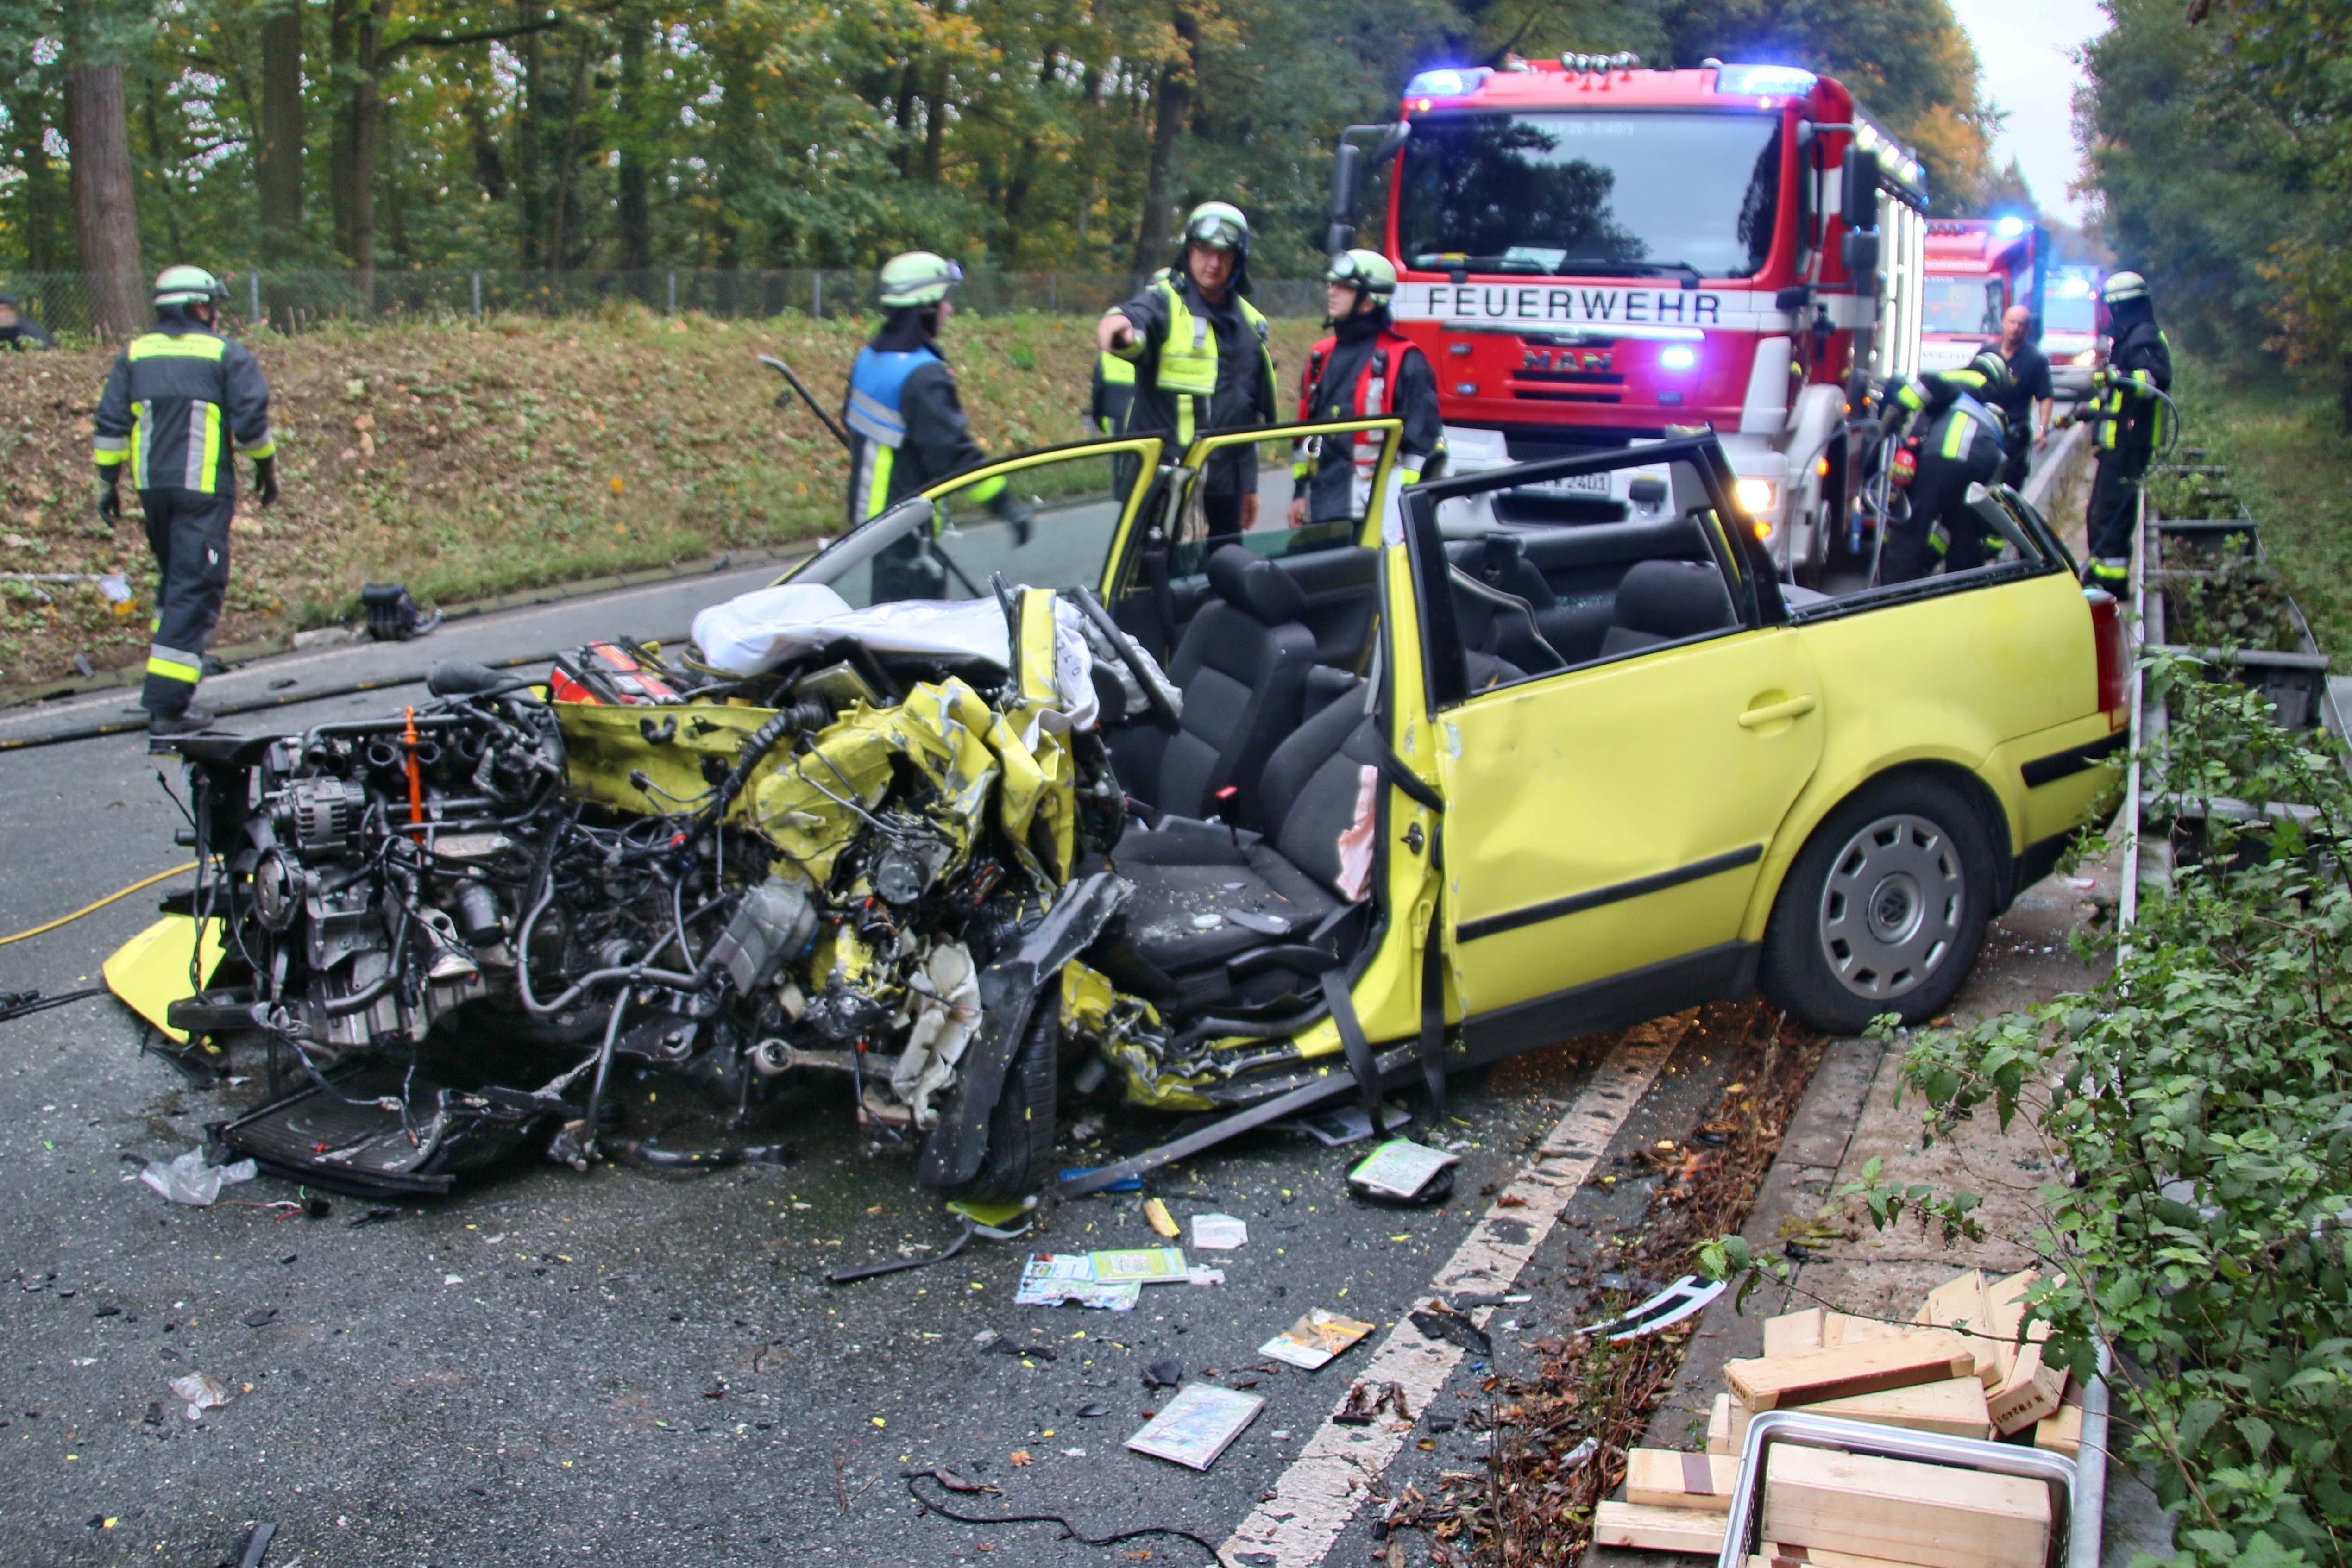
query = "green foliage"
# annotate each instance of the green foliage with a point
(764, 133)
(2218, 137)
(2200, 1101)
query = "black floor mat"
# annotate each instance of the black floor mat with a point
(379, 1131)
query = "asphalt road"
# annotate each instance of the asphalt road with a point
(614, 1367)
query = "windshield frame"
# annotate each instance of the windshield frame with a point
(1786, 217)
(847, 551)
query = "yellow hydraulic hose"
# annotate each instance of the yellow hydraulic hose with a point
(101, 904)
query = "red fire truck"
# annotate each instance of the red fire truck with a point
(1594, 254)
(1977, 268)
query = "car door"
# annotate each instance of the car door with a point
(1335, 561)
(1606, 815)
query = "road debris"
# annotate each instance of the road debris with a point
(1315, 1339)
(1403, 1172)
(200, 1391)
(1367, 1400)
(1686, 1297)
(1163, 1373)
(256, 1546)
(1219, 1232)
(1438, 1321)
(1198, 1425)
(1156, 1215)
(188, 1179)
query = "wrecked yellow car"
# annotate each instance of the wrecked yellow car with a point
(988, 818)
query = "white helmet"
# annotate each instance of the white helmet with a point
(2121, 287)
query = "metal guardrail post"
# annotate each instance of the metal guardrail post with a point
(816, 309)
(673, 291)
(478, 296)
(253, 290)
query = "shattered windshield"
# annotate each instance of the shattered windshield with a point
(1577, 194)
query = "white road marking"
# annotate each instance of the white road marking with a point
(1317, 1495)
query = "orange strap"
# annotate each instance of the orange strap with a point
(415, 777)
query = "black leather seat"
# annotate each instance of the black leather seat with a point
(1665, 601)
(1207, 893)
(1242, 666)
(1500, 561)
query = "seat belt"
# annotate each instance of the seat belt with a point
(1358, 1050)
(1368, 745)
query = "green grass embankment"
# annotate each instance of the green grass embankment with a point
(467, 459)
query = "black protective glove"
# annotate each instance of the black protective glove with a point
(264, 480)
(110, 499)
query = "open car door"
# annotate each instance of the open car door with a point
(1161, 577)
(1623, 720)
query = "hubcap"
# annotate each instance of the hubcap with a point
(1891, 906)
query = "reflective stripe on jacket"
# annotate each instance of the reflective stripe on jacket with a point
(1187, 367)
(180, 403)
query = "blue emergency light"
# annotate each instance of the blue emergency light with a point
(1789, 81)
(1446, 81)
(2010, 227)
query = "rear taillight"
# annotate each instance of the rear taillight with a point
(2108, 635)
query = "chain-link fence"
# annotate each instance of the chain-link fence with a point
(293, 301)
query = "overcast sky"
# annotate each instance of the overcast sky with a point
(2023, 45)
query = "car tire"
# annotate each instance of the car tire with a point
(1021, 1125)
(1885, 908)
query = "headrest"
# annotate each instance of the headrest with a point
(1673, 598)
(1252, 583)
(1502, 555)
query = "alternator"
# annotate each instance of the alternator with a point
(319, 815)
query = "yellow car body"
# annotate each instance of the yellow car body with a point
(1610, 839)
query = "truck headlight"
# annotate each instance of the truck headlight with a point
(1756, 497)
(2087, 357)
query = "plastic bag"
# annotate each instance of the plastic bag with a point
(189, 1180)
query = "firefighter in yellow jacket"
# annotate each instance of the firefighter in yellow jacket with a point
(181, 404)
(1200, 357)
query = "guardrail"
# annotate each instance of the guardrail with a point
(2177, 563)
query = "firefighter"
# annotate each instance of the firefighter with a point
(180, 403)
(1113, 392)
(1363, 370)
(1200, 358)
(2026, 403)
(1958, 444)
(2128, 419)
(19, 331)
(907, 425)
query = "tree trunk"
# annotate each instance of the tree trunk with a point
(935, 125)
(106, 215)
(367, 139)
(632, 182)
(278, 155)
(341, 32)
(1171, 111)
(43, 217)
(162, 157)
(563, 234)
(903, 113)
(531, 118)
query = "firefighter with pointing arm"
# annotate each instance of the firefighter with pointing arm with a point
(1959, 445)
(1200, 358)
(181, 404)
(1364, 369)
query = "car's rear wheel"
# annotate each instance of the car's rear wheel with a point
(1884, 909)
(1020, 1158)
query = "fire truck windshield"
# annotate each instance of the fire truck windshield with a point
(1589, 194)
(1968, 306)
